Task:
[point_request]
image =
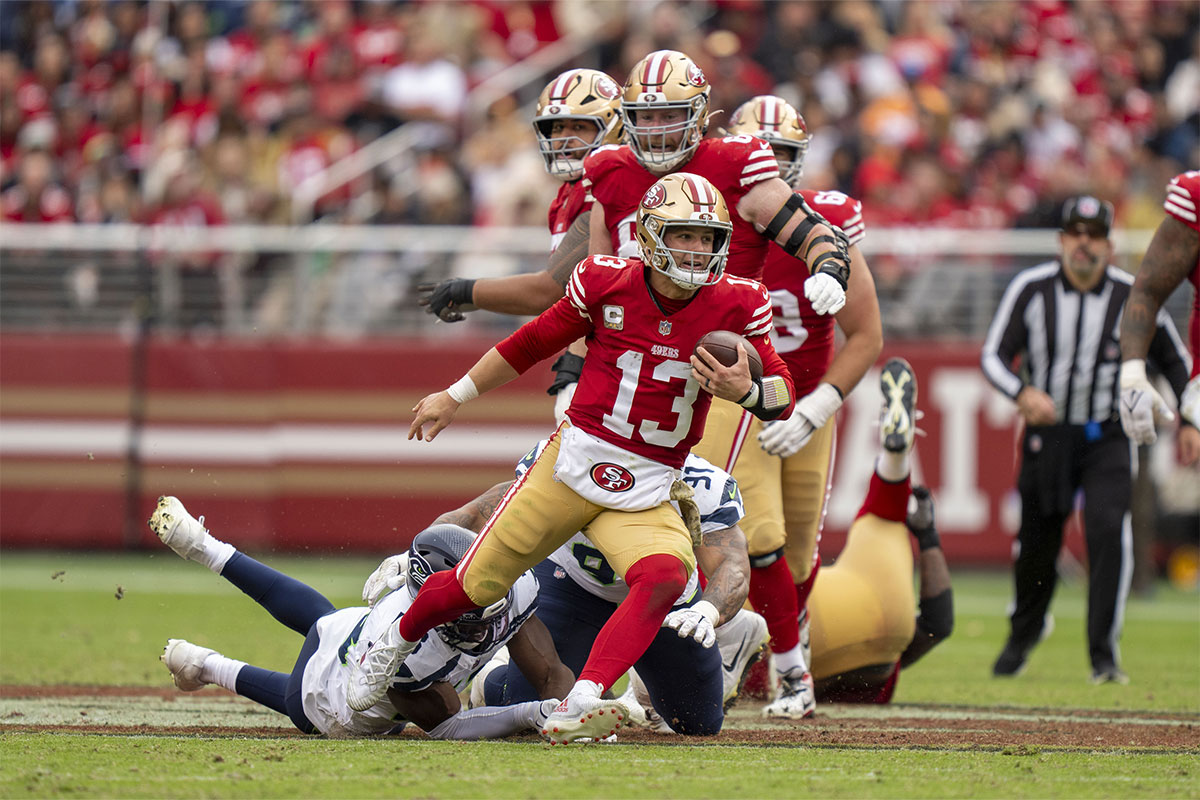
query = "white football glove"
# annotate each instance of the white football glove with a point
(1141, 405)
(562, 401)
(389, 576)
(825, 293)
(786, 437)
(1189, 403)
(698, 622)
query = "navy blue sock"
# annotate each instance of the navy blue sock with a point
(264, 687)
(293, 603)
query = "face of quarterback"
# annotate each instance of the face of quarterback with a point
(1086, 251)
(690, 244)
(661, 129)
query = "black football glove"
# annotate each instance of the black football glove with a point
(920, 522)
(566, 371)
(448, 299)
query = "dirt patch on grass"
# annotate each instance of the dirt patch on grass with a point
(1020, 731)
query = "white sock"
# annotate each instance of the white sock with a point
(586, 689)
(222, 671)
(216, 553)
(892, 467)
(790, 660)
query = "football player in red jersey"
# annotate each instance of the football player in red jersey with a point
(665, 122)
(577, 112)
(613, 466)
(786, 480)
(1174, 254)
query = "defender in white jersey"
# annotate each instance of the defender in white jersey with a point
(684, 683)
(424, 690)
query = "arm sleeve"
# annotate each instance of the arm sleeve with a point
(935, 621)
(1169, 355)
(544, 336)
(1005, 339)
(488, 722)
(773, 364)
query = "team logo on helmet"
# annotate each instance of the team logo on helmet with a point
(607, 88)
(612, 477)
(655, 196)
(419, 569)
(1089, 207)
(695, 75)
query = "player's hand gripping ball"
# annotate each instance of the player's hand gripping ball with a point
(722, 345)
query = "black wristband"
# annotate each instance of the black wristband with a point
(928, 538)
(461, 291)
(567, 370)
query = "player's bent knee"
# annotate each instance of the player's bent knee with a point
(662, 577)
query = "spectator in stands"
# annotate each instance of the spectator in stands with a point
(37, 196)
(428, 90)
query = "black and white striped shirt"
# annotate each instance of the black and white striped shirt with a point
(1068, 342)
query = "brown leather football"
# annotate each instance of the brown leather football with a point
(722, 345)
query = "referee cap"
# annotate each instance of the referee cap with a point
(1089, 211)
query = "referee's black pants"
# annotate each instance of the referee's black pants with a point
(1057, 461)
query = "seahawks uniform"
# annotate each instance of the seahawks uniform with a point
(579, 590)
(345, 635)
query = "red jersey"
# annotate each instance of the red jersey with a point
(636, 390)
(734, 164)
(1183, 203)
(572, 200)
(803, 337)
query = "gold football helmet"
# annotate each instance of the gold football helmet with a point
(680, 200)
(581, 95)
(773, 118)
(663, 82)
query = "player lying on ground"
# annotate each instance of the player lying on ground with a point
(690, 682)
(863, 630)
(615, 464)
(425, 693)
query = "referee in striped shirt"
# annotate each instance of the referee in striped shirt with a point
(1061, 319)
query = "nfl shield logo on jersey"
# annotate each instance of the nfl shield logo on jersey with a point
(664, 327)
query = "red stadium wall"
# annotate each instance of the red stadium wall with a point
(301, 445)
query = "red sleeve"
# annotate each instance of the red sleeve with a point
(542, 337)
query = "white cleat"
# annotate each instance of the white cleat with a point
(741, 641)
(185, 660)
(642, 713)
(373, 673)
(582, 717)
(178, 529)
(898, 423)
(477, 699)
(797, 697)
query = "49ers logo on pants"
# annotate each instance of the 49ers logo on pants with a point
(612, 478)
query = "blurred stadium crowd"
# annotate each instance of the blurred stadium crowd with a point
(941, 113)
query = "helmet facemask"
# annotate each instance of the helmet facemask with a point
(790, 168)
(564, 154)
(687, 268)
(773, 119)
(650, 143)
(478, 631)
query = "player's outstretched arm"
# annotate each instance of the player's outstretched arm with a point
(473, 514)
(936, 618)
(1171, 256)
(532, 650)
(724, 559)
(526, 294)
(438, 711)
(438, 409)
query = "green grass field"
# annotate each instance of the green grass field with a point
(62, 623)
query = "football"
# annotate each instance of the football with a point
(722, 345)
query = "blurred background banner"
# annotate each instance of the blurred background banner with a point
(213, 216)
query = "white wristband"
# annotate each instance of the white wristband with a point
(463, 390)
